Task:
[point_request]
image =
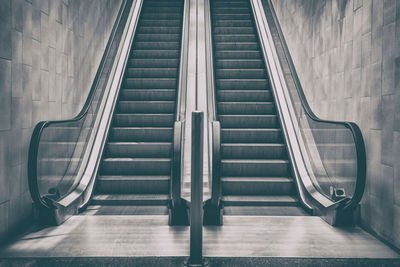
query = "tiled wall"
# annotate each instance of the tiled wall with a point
(49, 53)
(347, 55)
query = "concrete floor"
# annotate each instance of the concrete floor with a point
(241, 236)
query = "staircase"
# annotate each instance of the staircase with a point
(136, 167)
(255, 170)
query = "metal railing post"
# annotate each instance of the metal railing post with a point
(196, 205)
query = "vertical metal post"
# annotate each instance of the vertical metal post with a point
(196, 205)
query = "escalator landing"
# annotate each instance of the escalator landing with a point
(241, 240)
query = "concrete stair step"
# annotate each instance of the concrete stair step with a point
(253, 151)
(138, 150)
(260, 201)
(144, 120)
(244, 95)
(141, 134)
(237, 54)
(157, 45)
(136, 166)
(237, 135)
(155, 54)
(249, 121)
(153, 63)
(272, 186)
(259, 167)
(160, 37)
(242, 84)
(149, 107)
(132, 185)
(235, 38)
(130, 199)
(149, 95)
(241, 108)
(151, 83)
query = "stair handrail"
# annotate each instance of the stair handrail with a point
(213, 206)
(178, 206)
(47, 205)
(346, 205)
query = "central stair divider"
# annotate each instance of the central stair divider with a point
(196, 199)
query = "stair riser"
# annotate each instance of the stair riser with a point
(126, 150)
(235, 38)
(132, 187)
(159, 29)
(258, 188)
(244, 136)
(233, 30)
(141, 135)
(259, 108)
(240, 73)
(151, 73)
(255, 169)
(131, 167)
(153, 63)
(141, 37)
(237, 55)
(236, 96)
(231, 10)
(249, 122)
(146, 107)
(149, 95)
(157, 45)
(158, 23)
(253, 152)
(157, 4)
(130, 120)
(239, 64)
(165, 16)
(155, 54)
(228, 84)
(160, 83)
(175, 9)
(231, 16)
(231, 4)
(236, 46)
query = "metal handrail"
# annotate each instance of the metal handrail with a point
(178, 207)
(350, 204)
(213, 206)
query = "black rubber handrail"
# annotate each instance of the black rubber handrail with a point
(353, 127)
(213, 206)
(38, 130)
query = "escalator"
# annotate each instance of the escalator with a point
(270, 154)
(256, 175)
(136, 168)
(121, 155)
